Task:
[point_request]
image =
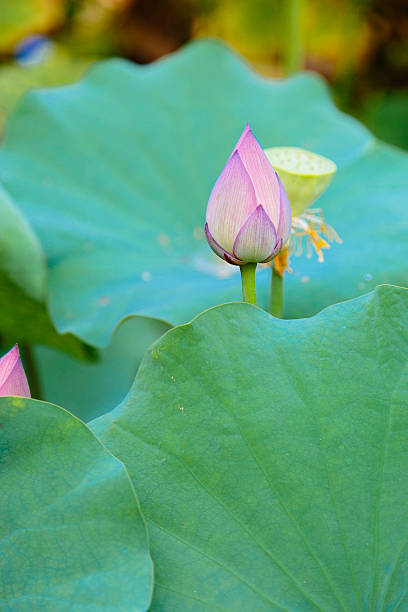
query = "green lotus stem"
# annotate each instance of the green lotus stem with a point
(248, 283)
(276, 294)
(294, 52)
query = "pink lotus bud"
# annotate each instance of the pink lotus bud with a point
(248, 213)
(13, 380)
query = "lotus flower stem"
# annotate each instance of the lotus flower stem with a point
(276, 294)
(248, 283)
(294, 56)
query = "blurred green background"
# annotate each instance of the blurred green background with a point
(359, 46)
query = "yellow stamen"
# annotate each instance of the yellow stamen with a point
(281, 262)
(317, 242)
(312, 225)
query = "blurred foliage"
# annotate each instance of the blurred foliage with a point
(58, 68)
(18, 18)
(360, 46)
(258, 29)
(386, 115)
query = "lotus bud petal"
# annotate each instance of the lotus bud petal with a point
(304, 175)
(13, 380)
(255, 237)
(248, 214)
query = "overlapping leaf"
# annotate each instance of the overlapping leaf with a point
(118, 169)
(71, 533)
(270, 458)
(89, 389)
(70, 373)
(21, 255)
(23, 315)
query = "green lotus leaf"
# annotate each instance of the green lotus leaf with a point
(21, 255)
(270, 458)
(71, 533)
(90, 388)
(23, 315)
(70, 373)
(118, 169)
(386, 114)
(25, 320)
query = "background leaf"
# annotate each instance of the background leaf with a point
(270, 458)
(23, 315)
(387, 116)
(21, 255)
(91, 388)
(118, 169)
(25, 320)
(71, 533)
(68, 372)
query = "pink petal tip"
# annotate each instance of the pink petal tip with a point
(13, 380)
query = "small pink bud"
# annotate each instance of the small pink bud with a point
(248, 214)
(13, 380)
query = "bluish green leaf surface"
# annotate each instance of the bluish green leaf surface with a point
(71, 534)
(270, 459)
(118, 169)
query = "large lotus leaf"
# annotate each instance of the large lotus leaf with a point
(118, 169)
(270, 458)
(71, 533)
(89, 389)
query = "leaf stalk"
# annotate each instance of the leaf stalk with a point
(276, 294)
